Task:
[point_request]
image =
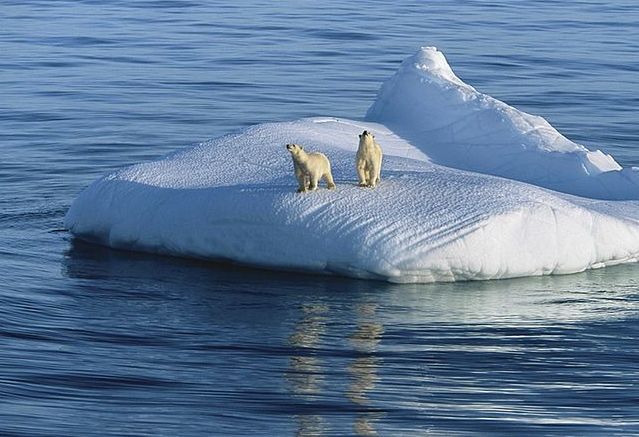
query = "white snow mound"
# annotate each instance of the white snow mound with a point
(233, 198)
(457, 126)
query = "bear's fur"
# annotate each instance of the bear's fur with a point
(368, 161)
(310, 168)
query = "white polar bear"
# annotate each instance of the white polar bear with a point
(310, 168)
(368, 161)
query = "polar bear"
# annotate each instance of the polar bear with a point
(310, 168)
(368, 161)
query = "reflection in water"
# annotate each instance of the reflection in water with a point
(305, 371)
(501, 355)
(363, 369)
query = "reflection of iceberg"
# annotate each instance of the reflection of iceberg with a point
(430, 220)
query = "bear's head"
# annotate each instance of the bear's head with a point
(366, 137)
(295, 149)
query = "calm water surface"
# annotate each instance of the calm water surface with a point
(101, 342)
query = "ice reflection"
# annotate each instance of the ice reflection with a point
(572, 299)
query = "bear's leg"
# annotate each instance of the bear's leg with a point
(370, 176)
(328, 177)
(302, 183)
(374, 174)
(313, 184)
(361, 173)
(378, 174)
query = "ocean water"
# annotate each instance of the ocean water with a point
(108, 343)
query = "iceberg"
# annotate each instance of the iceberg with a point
(457, 126)
(472, 189)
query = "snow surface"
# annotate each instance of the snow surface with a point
(430, 219)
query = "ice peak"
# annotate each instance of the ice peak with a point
(430, 62)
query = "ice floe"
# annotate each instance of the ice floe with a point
(471, 189)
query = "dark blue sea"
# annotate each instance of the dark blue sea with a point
(98, 342)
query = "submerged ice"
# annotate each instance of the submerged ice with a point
(465, 193)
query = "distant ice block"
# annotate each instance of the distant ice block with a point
(430, 219)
